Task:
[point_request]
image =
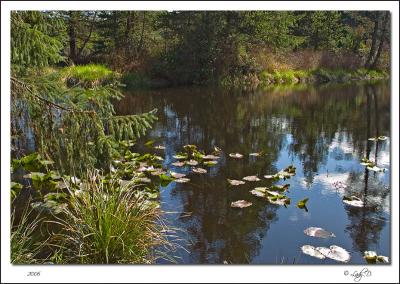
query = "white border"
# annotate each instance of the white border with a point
(186, 273)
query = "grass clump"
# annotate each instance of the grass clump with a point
(87, 75)
(24, 248)
(107, 223)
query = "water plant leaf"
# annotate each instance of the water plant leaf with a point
(375, 168)
(256, 154)
(199, 170)
(192, 163)
(312, 251)
(373, 257)
(235, 182)
(149, 143)
(338, 253)
(280, 188)
(353, 201)
(241, 204)
(302, 203)
(190, 147)
(278, 199)
(236, 155)
(178, 164)
(382, 138)
(159, 147)
(259, 191)
(182, 180)
(333, 252)
(210, 163)
(180, 156)
(157, 172)
(251, 178)
(318, 232)
(383, 259)
(210, 157)
(177, 175)
(373, 139)
(269, 176)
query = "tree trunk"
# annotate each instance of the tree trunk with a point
(382, 40)
(72, 36)
(372, 51)
(140, 46)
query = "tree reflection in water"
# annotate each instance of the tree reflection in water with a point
(301, 123)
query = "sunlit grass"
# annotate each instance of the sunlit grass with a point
(89, 75)
(24, 248)
(111, 224)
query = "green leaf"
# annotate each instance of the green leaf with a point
(302, 203)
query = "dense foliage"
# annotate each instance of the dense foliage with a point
(185, 47)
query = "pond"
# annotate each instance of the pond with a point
(321, 130)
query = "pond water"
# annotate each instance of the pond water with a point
(323, 131)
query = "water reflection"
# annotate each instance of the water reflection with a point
(323, 131)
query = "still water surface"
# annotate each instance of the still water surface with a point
(323, 131)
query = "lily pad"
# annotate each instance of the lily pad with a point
(235, 182)
(280, 188)
(182, 180)
(259, 191)
(236, 155)
(373, 257)
(375, 169)
(333, 252)
(210, 157)
(251, 178)
(192, 163)
(312, 251)
(241, 204)
(177, 175)
(339, 254)
(178, 164)
(159, 147)
(269, 176)
(257, 154)
(210, 163)
(353, 201)
(199, 170)
(382, 138)
(302, 203)
(279, 199)
(372, 139)
(180, 156)
(318, 233)
(217, 149)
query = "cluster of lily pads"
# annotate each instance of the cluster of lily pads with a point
(335, 252)
(274, 194)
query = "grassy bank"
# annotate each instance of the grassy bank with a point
(320, 76)
(264, 78)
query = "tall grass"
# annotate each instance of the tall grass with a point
(107, 224)
(87, 75)
(24, 248)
